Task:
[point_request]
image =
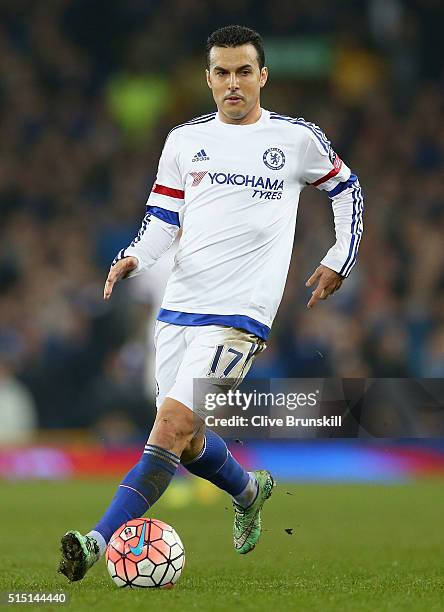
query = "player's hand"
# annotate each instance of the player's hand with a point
(120, 270)
(329, 281)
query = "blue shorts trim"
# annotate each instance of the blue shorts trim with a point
(195, 319)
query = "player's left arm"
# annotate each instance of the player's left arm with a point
(324, 169)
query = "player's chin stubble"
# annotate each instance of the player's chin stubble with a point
(234, 113)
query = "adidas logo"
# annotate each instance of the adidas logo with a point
(200, 156)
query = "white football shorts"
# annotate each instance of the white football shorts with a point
(219, 355)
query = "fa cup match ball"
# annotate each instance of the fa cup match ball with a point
(145, 552)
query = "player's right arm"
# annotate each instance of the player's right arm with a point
(160, 224)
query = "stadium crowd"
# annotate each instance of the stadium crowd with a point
(88, 92)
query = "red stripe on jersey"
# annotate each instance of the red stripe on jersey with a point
(168, 191)
(331, 174)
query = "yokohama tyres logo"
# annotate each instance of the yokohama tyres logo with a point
(263, 188)
(197, 177)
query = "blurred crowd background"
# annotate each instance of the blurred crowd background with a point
(88, 91)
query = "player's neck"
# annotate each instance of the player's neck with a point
(252, 117)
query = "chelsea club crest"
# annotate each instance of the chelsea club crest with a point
(274, 158)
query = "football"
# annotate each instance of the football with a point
(146, 553)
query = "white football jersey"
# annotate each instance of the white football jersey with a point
(234, 191)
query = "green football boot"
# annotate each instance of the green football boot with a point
(247, 521)
(79, 553)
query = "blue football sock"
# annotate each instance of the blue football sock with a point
(216, 464)
(140, 489)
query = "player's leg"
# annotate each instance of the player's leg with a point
(208, 456)
(173, 429)
(249, 490)
(215, 463)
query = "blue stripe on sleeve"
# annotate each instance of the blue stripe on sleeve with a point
(342, 186)
(321, 137)
(163, 214)
(356, 231)
(120, 255)
(359, 230)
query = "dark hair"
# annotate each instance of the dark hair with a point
(235, 36)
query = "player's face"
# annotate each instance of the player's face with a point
(235, 79)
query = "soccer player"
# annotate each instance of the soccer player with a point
(231, 180)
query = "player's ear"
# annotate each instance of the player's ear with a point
(207, 74)
(264, 76)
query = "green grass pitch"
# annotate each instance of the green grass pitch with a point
(353, 547)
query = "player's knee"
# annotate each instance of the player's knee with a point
(174, 427)
(194, 446)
